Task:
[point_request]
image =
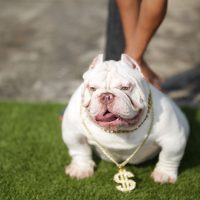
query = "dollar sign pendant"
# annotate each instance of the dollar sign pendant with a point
(122, 177)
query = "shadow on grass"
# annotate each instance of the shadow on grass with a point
(192, 152)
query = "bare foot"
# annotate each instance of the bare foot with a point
(150, 75)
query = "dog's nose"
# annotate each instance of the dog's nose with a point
(107, 98)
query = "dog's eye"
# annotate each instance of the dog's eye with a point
(92, 89)
(125, 88)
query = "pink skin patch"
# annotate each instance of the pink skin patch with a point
(113, 121)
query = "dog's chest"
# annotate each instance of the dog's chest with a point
(148, 151)
(122, 145)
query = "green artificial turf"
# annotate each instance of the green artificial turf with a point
(33, 156)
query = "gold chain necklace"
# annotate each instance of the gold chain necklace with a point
(123, 176)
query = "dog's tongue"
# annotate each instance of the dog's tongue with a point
(108, 117)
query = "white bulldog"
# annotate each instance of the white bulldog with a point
(115, 103)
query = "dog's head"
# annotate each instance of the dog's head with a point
(115, 93)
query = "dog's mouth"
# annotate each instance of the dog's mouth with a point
(113, 121)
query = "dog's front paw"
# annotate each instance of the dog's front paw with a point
(80, 171)
(163, 176)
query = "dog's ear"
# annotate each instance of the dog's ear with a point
(98, 59)
(130, 61)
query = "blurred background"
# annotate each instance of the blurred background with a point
(46, 45)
